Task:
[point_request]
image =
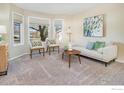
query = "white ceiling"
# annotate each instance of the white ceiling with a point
(57, 8)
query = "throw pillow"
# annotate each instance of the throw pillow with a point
(98, 45)
(90, 45)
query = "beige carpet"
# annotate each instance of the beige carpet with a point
(52, 70)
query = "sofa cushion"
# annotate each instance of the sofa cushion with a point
(90, 45)
(90, 53)
(98, 45)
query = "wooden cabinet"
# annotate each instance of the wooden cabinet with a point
(3, 59)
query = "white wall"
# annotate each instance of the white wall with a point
(4, 18)
(113, 24)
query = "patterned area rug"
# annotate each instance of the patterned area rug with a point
(52, 70)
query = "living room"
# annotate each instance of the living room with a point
(24, 70)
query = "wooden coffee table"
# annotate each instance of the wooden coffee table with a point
(69, 53)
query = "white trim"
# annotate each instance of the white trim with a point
(49, 21)
(21, 33)
(28, 31)
(120, 61)
(18, 56)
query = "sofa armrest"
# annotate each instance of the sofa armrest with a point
(109, 52)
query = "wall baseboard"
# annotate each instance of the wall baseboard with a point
(120, 61)
(10, 59)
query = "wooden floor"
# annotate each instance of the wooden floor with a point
(52, 70)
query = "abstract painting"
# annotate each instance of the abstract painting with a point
(93, 26)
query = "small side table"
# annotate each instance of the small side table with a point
(69, 53)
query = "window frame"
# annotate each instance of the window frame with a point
(54, 26)
(40, 18)
(21, 30)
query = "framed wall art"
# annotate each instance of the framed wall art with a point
(93, 26)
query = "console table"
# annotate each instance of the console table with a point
(3, 59)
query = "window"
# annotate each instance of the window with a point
(17, 32)
(18, 29)
(38, 28)
(58, 29)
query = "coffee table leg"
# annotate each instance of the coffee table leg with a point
(79, 59)
(58, 49)
(43, 51)
(69, 60)
(53, 49)
(62, 55)
(49, 51)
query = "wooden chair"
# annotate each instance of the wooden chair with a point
(51, 44)
(36, 44)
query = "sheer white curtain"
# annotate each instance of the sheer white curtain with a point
(58, 30)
